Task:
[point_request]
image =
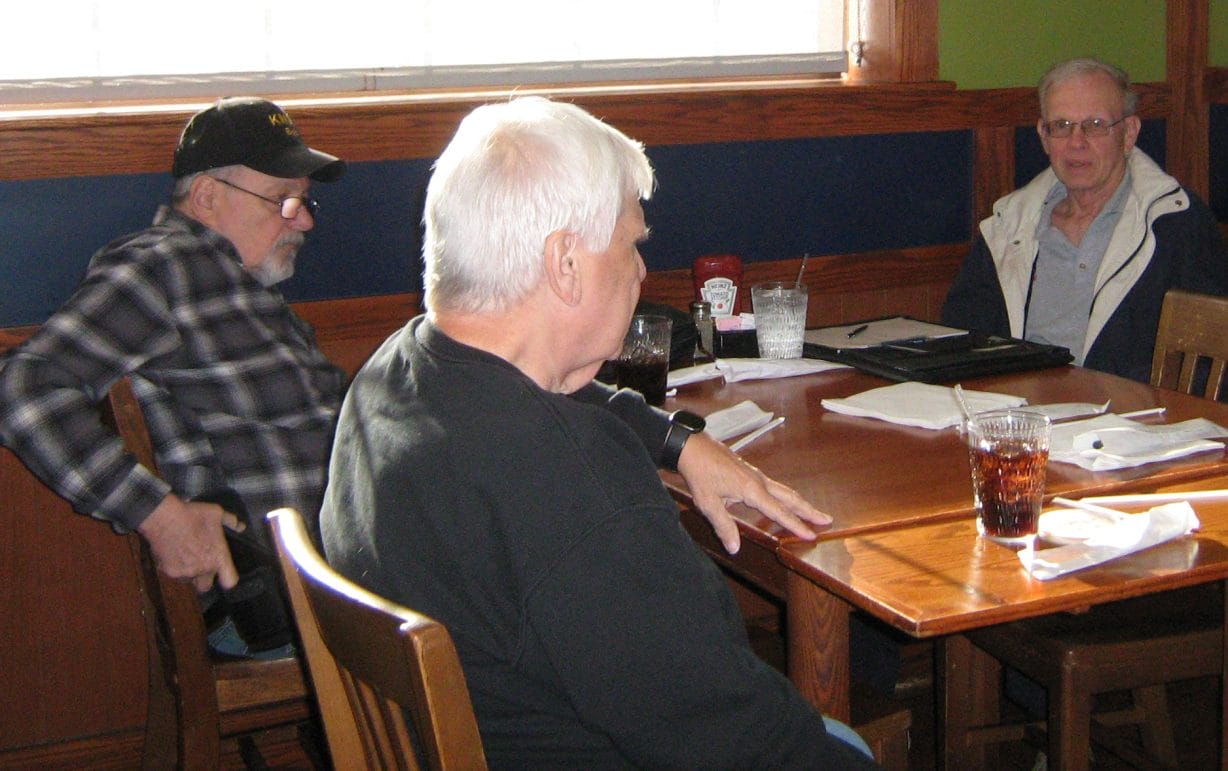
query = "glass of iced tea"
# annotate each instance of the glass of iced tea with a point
(643, 364)
(1008, 451)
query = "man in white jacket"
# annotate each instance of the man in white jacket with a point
(1082, 256)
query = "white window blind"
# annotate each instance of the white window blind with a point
(59, 50)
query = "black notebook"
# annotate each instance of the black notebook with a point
(936, 355)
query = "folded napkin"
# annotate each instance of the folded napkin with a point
(734, 370)
(688, 375)
(763, 369)
(1130, 533)
(1110, 442)
(736, 420)
(919, 404)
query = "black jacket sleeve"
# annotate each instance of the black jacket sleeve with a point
(975, 301)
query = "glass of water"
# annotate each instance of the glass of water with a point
(780, 318)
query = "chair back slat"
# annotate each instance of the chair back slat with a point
(379, 720)
(1191, 343)
(1215, 379)
(387, 660)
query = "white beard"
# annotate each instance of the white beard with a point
(276, 268)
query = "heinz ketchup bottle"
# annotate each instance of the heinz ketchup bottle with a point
(718, 279)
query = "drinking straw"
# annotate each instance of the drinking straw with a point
(963, 405)
(1113, 514)
(758, 432)
(1154, 498)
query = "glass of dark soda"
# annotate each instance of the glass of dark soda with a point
(1008, 451)
(643, 364)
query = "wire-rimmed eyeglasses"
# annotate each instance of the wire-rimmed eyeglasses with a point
(287, 207)
(1091, 128)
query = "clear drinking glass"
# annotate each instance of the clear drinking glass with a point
(1008, 451)
(780, 318)
(643, 364)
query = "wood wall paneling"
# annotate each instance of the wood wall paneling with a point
(1188, 140)
(72, 634)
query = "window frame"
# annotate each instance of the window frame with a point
(899, 41)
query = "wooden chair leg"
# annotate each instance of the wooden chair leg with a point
(888, 739)
(969, 696)
(1069, 728)
(1156, 728)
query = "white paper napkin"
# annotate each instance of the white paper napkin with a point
(919, 404)
(1110, 442)
(763, 369)
(734, 370)
(688, 375)
(1133, 532)
(736, 420)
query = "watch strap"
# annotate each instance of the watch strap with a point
(681, 425)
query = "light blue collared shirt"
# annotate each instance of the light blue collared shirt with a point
(1064, 277)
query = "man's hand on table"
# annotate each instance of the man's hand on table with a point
(718, 477)
(188, 543)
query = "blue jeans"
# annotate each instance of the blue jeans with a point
(847, 735)
(225, 639)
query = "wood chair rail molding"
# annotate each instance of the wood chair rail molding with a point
(128, 139)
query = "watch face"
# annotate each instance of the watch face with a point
(689, 420)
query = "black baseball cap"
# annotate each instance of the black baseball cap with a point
(251, 132)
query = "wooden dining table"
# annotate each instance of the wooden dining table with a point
(902, 545)
(942, 579)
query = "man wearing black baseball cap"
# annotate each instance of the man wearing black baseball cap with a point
(240, 402)
(250, 132)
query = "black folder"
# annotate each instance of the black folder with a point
(944, 359)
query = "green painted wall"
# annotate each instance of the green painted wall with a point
(1218, 55)
(1006, 43)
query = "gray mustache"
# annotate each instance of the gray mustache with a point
(295, 240)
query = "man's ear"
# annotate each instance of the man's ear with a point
(1132, 125)
(1040, 131)
(202, 198)
(563, 265)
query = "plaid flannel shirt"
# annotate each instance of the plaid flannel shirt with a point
(237, 395)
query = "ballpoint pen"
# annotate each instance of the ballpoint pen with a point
(859, 330)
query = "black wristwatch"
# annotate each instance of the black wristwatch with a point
(681, 425)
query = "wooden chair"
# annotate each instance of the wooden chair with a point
(371, 659)
(211, 700)
(1138, 645)
(1193, 331)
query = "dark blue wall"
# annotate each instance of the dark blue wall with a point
(766, 200)
(761, 200)
(1219, 161)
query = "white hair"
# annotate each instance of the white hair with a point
(1072, 68)
(183, 185)
(514, 173)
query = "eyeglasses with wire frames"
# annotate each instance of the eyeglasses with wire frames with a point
(1092, 127)
(287, 207)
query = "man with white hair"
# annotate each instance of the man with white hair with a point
(480, 475)
(1082, 256)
